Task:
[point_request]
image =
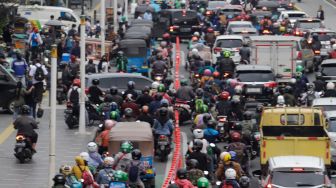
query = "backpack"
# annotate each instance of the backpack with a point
(106, 108)
(133, 172)
(227, 184)
(74, 96)
(39, 74)
(87, 177)
(72, 70)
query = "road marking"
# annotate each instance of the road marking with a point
(6, 133)
(329, 3)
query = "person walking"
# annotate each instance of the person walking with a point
(320, 13)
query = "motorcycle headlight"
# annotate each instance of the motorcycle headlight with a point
(46, 59)
(158, 78)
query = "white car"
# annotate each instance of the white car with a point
(292, 15)
(231, 43)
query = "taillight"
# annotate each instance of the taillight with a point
(20, 137)
(208, 13)
(86, 91)
(270, 84)
(173, 28)
(299, 56)
(298, 33)
(217, 50)
(266, 31)
(317, 51)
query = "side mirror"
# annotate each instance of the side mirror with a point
(256, 173)
(226, 147)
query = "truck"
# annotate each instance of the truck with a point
(279, 52)
(294, 131)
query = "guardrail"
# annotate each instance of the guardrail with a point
(177, 156)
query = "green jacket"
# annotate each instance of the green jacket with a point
(122, 63)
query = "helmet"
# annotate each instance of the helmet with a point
(66, 170)
(298, 74)
(121, 53)
(25, 110)
(204, 108)
(233, 83)
(334, 46)
(206, 118)
(161, 88)
(76, 82)
(108, 161)
(114, 106)
(163, 111)
(299, 68)
(210, 30)
(166, 36)
(247, 115)
(226, 53)
(224, 95)
(182, 173)
(207, 72)
(108, 98)
(238, 89)
(95, 82)
(197, 34)
(114, 90)
(92, 147)
(85, 156)
(280, 100)
(311, 87)
(198, 133)
(146, 89)
(315, 36)
(136, 154)
(245, 43)
(230, 174)
(128, 112)
(163, 43)
(155, 85)
(203, 182)
(244, 181)
(192, 163)
(184, 82)
(235, 136)
(126, 147)
(194, 51)
(198, 145)
(114, 115)
(216, 74)
(288, 89)
(158, 97)
(120, 176)
(233, 155)
(199, 92)
(109, 124)
(292, 81)
(330, 86)
(130, 84)
(225, 156)
(164, 103)
(211, 124)
(59, 179)
(285, 16)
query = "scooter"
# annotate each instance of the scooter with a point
(23, 149)
(70, 118)
(163, 148)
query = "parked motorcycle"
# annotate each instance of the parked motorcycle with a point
(23, 149)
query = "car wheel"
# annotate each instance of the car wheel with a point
(10, 106)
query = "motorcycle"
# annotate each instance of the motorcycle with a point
(317, 59)
(70, 118)
(163, 148)
(23, 149)
(222, 121)
(255, 145)
(184, 112)
(61, 93)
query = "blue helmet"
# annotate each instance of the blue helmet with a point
(233, 155)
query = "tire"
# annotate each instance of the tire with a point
(10, 106)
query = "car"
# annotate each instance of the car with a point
(328, 70)
(230, 11)
(303, 25)
(227, 42)
(331, 122)
(286, 4)
(295, 171)
(238, 24)
(245, 32)
(292, 16)
(120, 80)
(258, 81)
(7, 89)
(324, 35)
(213, 6)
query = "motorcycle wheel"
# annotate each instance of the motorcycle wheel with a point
(163, 157)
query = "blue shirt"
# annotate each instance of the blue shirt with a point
(166, 129)
(19, 67)
(105, 176)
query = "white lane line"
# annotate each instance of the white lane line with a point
(184, 143)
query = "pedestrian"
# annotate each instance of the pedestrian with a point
(76, 50)
(20, 66)
(320, 13)
(38, 72)
(35, 41)
(19, 100)
(103, 65)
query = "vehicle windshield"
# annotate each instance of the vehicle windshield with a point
(305, 24)
(229, 43)
(329, 70)
(255, 76)
(327, 107)
(135, 52)
(240, 26)
(189, 18)
(231, 11)
(332, 125)
(322, 36)
(297, 179)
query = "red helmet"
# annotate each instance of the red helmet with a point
(216, 74)
(207, 72)
(224, 95)
(235, 136)
(210, 30)
(76, 82)
(194, 39)
(166, 36)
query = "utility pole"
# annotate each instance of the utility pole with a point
(52, 125)
(115, 19)
(82, 76)
(126, 10)
(102, 26)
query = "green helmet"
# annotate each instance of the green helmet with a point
(202, 182)
(126, 147)
(184, 82)
(161, 88)
(299, 68)
(204, 108)
(114, 115)
(120, 176)
(226, 53)
(201, 10)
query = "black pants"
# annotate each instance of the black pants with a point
(39, 91)
(34, 51)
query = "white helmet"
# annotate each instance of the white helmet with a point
(238, 89)
(293, 80)
(285, 16)
(92, 147)
(155, 85)
(221, 156)
(194, 51)
(197, 34)
(163, 43)
(198, 133)
(230, 174)
(281, 100)
(334, 46)
(330, 86)
(85, 156)
(108, 161)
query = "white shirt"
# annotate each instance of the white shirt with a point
(33, 70)
(79, 93)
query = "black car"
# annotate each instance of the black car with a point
(7, 89)
(328, 70)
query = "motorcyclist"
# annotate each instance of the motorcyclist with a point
(285, 22)
(128, 115)
(134, 179)
(185, 92)
(105, 108)
(225, 63)
(199, 135)
(199, 100)
(316, 43)
(288, 95)
(162, 91)
(144, 98)
(202, 118)
(123, 157)
(70, 178)
(159, 67)
(59, 181)
(203, 182)
(163, 125)
(240, 149)
(210, 37)
(182, 180)
(105, 175)
(130, 90)
(247, 126)
(116, 97)
(319, 83)
(25, 125)
(145, 116)
(202, 158)
(210, 132)
(193, 173)
(206, 78)
(95, 157)
(223, 106)
(95, 92)
(332, 54)
(265, 23)
(230, 179)
(245, 53)
(121, 62)
(103, 138)
(73, 97)
(330, 91)
(196, 62)
(301, 82)
(236, 113)
(130, 103)
(225, 164)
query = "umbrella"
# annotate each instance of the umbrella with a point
(54, 23)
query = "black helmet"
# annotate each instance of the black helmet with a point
(163, 111)
(136, 154)
(25, 110)
(108, 98)
(206, 118)
(192, 163)
(146, 89)
(247, 115)
(158, 97)
(198, 145)
(199, 92)
(315, 36)
(114, 90)
(182, 173)
(128, 112)
(95, 82)
(130, 84)
(212, 124)
(288, 89)
(59, 179)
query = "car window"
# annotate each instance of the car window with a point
(332, 124)
(296, 15)
(325, 36)
(292, 119)
(121, 82)
(255, 76)
(135, 51)
(67, 16)
(327, 107)
(297, 179)
(328, 70)
(306, 24)
(229, 43)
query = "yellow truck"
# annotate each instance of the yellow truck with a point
(293, 131)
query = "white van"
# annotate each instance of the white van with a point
(42, 14)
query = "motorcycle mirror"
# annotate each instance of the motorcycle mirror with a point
(212, 145)
(226, 147)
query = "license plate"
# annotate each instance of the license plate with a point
(162, 147)
(20, 144)
(185, 29)
(68, 111)
(149, 171)
(162, 143)
(253, 90)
